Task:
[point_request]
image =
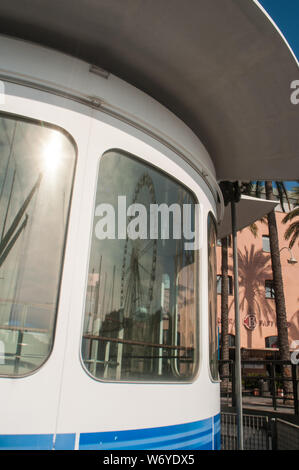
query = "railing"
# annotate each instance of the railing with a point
(19, 356)
(286, 436)
(256, 432)
(259, 432)
(267, 385)
(174, 353)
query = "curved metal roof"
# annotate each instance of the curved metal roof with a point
(220, 66)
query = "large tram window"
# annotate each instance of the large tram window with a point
(141, 302)
(36, 173)
(212, 280)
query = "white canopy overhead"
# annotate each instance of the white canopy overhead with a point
(220, 66)
(248, 211)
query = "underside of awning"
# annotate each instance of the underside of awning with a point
(248, 211)
(220, 66)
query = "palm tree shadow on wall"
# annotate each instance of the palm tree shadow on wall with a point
(294, 327)
(254, 270)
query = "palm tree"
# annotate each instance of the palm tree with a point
(295, 194)
(254, 269)
(292, 232)
(281, 318)
(258, 191)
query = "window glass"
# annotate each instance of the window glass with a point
(271, 342)
(269, 289)
(36, 172)
(141, 302)
(266, 243)
(231, 341)
(212, 280)
(219, 283)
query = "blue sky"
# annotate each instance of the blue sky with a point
(285, 13)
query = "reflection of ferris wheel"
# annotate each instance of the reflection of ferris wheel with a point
(139, 262)
(184, 257)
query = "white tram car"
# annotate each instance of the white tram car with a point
(108, 334)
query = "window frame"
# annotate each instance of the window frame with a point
(213, 379)
(197, 287)
(16, 117)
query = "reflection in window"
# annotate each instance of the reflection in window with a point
(212, 279)
(36, 171)
(140, 312)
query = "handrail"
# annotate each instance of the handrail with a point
(273, 379)
(135, 343)
(23, 328)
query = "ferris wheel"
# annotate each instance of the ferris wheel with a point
(139, 261)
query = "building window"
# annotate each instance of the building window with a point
(36, 174)
(141, 302)
(271, 342)
(269, 288)
(212, 279)
(266, 243)
(230, 284)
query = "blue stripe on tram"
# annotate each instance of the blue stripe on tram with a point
(26, 442)
(217, 433)
(198, 435)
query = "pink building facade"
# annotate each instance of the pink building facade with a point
(257, 304)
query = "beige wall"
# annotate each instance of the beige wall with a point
(254, 269)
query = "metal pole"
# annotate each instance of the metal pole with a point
(295, 389)
(238, 376)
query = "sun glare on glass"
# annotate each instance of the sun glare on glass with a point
(52, 152)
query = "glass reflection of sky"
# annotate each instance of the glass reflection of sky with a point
(30, 273)
(141, 293)
(119, 175)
